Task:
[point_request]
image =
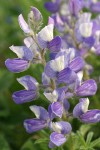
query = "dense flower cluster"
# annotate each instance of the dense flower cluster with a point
(63, 75)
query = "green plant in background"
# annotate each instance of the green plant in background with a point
(9, 115)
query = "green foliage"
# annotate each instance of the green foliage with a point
(3, 143)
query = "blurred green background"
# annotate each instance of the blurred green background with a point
(12, 133)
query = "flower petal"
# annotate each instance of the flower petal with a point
(37, 14)
(28, 82)
(57, 138)
(33, 125)
(22, 52)
(61, 127)
(67, 76)
(55, 110)
(55, 44)
(81, 107)
(17, 65)
(45, 35)
(95, 7)
(51, 96)
(76, 64)
(88, 88)
(40, 112)
(24, 96)
(75, 6)
(23, 25)
(87, 28)
(45, 79)
(53, 7)
(91, 116)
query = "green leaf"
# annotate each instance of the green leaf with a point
(89, 137)
(95, 142)
(31, 144)
(81, 138)
(84, 129)
(41, 140)
(3, 143)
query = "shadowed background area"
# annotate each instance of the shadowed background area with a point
(12, 133)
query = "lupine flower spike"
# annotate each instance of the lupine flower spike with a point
(64, 73)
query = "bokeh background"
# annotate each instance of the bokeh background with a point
(12, 133)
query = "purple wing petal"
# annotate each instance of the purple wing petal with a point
(33, 125)
(81, 107)
(22, 52)
(75, 6)
(91, 116)
(88, 88)
(55, 45)
(53, 7)
(65, 127)
(24, 96)
(61, 127)
(56, 109)
(37, 14)
(16, 65)
(77, 111)
(49, 71)
(88, 42)
(66, 105)
(23, 25)
(40, 112)
(28, 82)
(67, 76)
(57, 138)
(95, 7)
(77, 64)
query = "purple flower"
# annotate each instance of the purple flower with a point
(75, 6)
(22, 52)
(17, 65)
(81, 107)
(36, 14)
(55, 110)
(95, 7)
(20, 64)
(88, 88)
(40, 112)
(91, 116)
(33, 125)
(55, 45)
(62, 127)
(38, 123)
(45, 36)
(53, 6)
(30, 93)
(23, 25)
(76, 64)
(56, 139)
(61, 61)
